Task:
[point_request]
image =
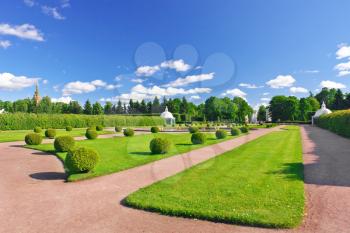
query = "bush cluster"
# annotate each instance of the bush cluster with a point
(99, 127)
(69, 128)
(160, 145)
(220, 134)
(154, 129)
(244, 129)
(118, 129)
(235, 131)
(81, 159)
(64, 143)
(50, 133)
(128, 132)
(337, 122)
(198, 138)
(193, 129)
(91, 134)
(33, 139)
(38, 130)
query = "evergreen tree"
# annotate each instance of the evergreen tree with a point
(97, 109)
(119, 108)
(262, 113)
(87, 108)
(339, 101)
(108, 108)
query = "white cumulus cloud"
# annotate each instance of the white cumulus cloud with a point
(190, 79)
(78, 87)
(343, 68)
(178, 65)
(281, 81)
(298, 90)
(137, 80)
(249, 86)
(24, 31)
(146, 70)
(52, 11)
(63, 99)
(195, 97)
(11, 82)
(265, 99)
(235, 92)
(331, 84)
(343, 51)
(5, 44)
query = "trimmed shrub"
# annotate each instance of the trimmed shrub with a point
(159, 145)
(99, 128)
(81, 159)
(128, 132)
(118, 129)
(337, 122)
(244, 129)
(155, 129)
(64, 143)
(198, 138)
(33, 139)
(92, 127)
(50, 133)
(38, 130)
(235, 131)
(69, 128)
(91, 134)
(193, 129)
(220, 134)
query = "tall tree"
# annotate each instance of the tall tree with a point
(75, 108)
(119, 108)
(87, 108)
(339, 101)
(305, 109)
(262, 113)
(97, 109)
(108, 108)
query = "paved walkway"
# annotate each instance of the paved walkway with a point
(34, 198)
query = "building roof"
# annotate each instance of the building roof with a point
(322, 111)
(166, 114)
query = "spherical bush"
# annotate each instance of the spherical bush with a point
(118, 129)
(81, 159)
(220, 134)
(198, 138)
(38, 130)
(154, 129)
(192, 129)
(235, 131)
(99, 128)
(91, 128)
(91, 134)
(128, 132)
(50, 133)
(33, 139)
(64, 143)
(159, 145)
(244, 129)
(69, 128)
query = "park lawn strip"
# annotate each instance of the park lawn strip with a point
(18, 135)
(120, 153)
(257, 184)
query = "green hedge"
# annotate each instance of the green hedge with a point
(16, 121)
(337, 122)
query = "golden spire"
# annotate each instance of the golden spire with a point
(36, 96)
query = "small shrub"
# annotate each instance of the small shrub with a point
(81, 160)
(33, 139)
(64, 143)
(128, 132)
(193, 129)
(244, 129)
(91, 127)
(159, 145)
(91, 134)
(235, 131)
(50, 133)
(154, 129)
(38, 130)
(220, 134)
(69, 128)
(198, 138)
(99, 128)
(118, 129)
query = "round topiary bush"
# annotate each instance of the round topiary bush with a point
(38, 130)
(91, 128)
(33, 139)
(198, 138)
(235, 131)
(118, 129)
(244, 129)
(220, 134)
(99, 128)
(154, 129)
(81, 159)
(50, 133)
(159, 145)
(91, 134)
(192, 129)
(64, 143)
(128, 132)
(69, 128)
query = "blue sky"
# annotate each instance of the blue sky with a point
(110, 50)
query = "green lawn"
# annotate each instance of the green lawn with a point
(121, 153)
(18, 135)
(258, 184)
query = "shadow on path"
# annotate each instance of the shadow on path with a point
(49, 176)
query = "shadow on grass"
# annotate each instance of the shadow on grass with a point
(290, 171)
(141, 153)
(49, 176)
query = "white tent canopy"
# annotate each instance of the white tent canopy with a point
(168, 117)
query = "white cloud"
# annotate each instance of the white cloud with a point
(298, 90)
(99, 83)
(11, 82)
(52, 11)
(235, 92)
(65, 3)
(78, 87)
(265, 99)
(5, 44)
(249, 86)
(118, 78)
(281, 81)
(137, 80)
(195, 97)
(266, 93)
(343, 51)
(29, 3)
(146, 70)
(45, 81)
(190, 79)
(112, 86)
(63, 99)
(24, 31)
(331, 84)
(178, 65)
(343, 68)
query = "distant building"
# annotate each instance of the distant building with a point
(322, 111)
(36, 96)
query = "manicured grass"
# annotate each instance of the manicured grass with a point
(121, 153)
(18, 135)
(259, 184)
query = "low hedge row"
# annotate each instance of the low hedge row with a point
(18, 121)
(337, 122)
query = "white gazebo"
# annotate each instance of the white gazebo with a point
(322, 111)
(2, 111)
(168, 117)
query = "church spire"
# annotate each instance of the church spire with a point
(36, 96)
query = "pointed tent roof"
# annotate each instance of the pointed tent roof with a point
(166, 114)
(322, 111)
